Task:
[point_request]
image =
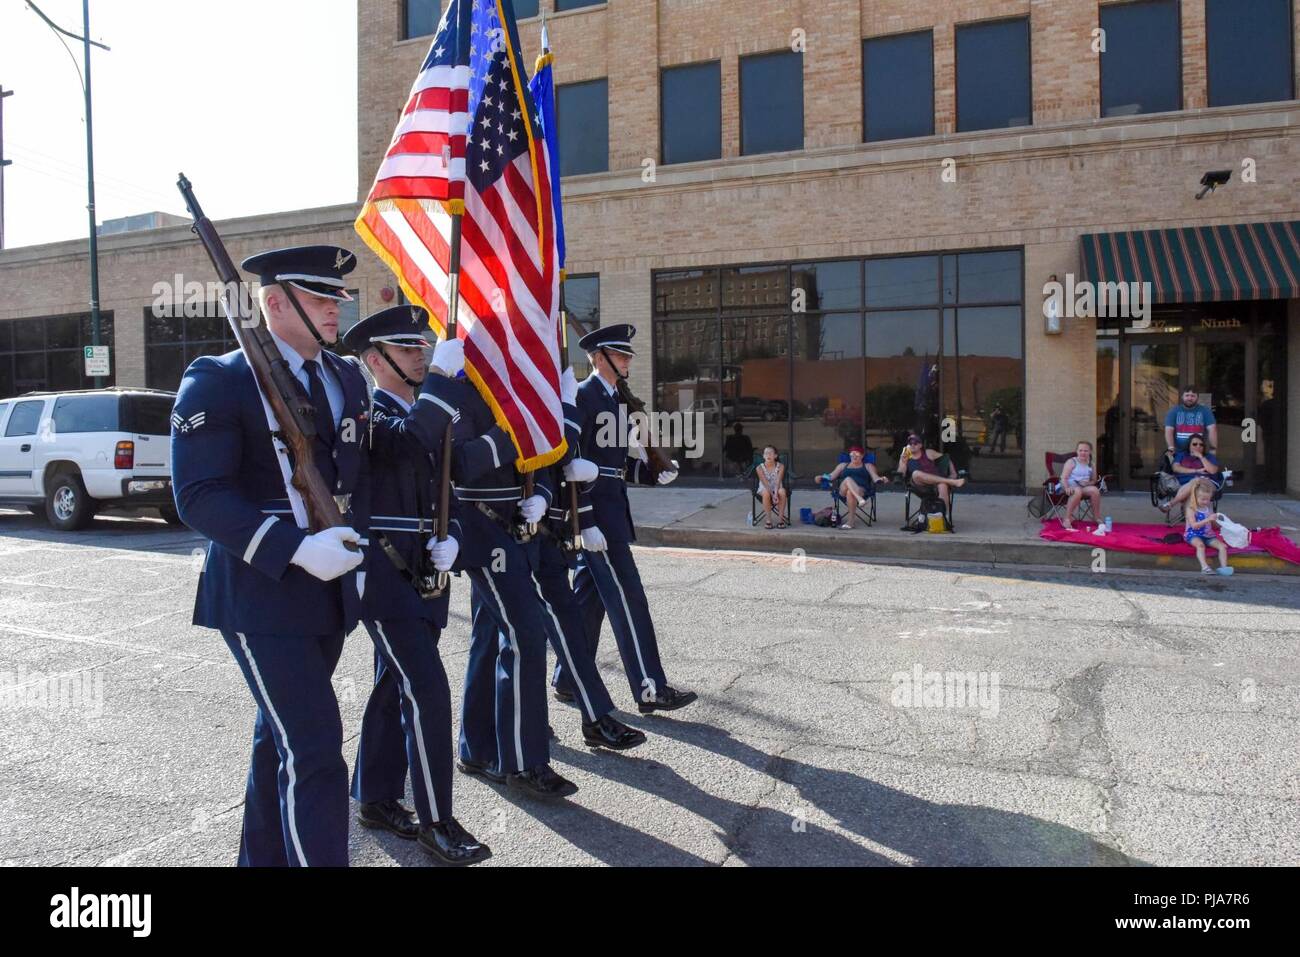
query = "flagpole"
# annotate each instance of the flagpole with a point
(449, 333)
(575, 525)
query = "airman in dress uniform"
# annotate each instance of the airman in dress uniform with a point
(407, 722)
(282, 598)
(608, 581)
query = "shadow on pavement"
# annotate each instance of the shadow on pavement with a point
(130, 532)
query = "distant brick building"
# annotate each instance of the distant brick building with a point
(834, 221)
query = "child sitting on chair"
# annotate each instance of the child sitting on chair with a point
(771, 483)
(1200, 516)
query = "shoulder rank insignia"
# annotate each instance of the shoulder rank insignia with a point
(182, 424)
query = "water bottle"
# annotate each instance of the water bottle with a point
(1110, 526)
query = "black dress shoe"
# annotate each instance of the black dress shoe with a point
(451, 844)
(568, 697)
(668, 699)
(608, 732)
(389, 816)
(478, 769)
(542, 783)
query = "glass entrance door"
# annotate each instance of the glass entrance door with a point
(1152, 384)
(1220, 373)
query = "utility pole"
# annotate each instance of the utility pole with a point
(3, 162)
(90, 163)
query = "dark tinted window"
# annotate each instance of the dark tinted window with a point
(582, 118)
(419, 17)
(525, 9)
(990, 277)
(62, 332)
(86, 413)
(993, 88)
(171, 342)
(147, 414)
(906, 281)
(691, 112)
(1142, 66)
(562, 5)
(898, 86)
(26, 416)
(582, 301)
(1249, 51)
(29, 334)
(771, 103)
(834, 285)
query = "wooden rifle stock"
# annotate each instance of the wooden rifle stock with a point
(293, 411)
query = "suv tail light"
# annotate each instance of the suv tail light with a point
(124, 455)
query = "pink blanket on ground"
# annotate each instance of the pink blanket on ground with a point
(1151, 539)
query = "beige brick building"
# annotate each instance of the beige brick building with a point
(1083, 165)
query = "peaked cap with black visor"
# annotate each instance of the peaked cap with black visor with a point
(395, 326)
(318, 270)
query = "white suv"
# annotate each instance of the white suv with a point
(65, 455)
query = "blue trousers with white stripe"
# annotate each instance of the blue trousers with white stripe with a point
(503, 718)
(407, 723)
(609, 582)
(296, 799)
(566, 629)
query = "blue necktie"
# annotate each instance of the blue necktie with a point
(321, 403)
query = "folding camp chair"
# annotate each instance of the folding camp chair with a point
(1163, 487)
(750, 475)
(927, 499)
(1056, 498)
(866, 508)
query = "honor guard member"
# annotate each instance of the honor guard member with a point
(407, 721)
(504, 736)
(282, 598)
(558, 555)
(608, 581)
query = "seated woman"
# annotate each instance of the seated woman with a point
(771, 485)
(1079, 478)
(1193, 464)
(854, 476)
(920, 467)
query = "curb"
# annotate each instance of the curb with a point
(945, 548)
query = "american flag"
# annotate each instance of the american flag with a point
(470, 138)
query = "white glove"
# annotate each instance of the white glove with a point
(581, 470)
(533, 508)
(449, 356)
(443, 553)
(324, 556)
(665, 477)
(569, 387)
(635, 448)
(593, 540)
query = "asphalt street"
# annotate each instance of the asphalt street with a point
(1099, 719)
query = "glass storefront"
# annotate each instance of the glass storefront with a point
(1235, 355)
(816, 357)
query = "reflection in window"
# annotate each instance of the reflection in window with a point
(582, 302)
(47, 353)
(831, 285)
(989, 277)
(691, 112)
(771, 103)
(172, 342)
(687, 380)
(904, 281)
(1249, 51)
(582, 118)
(420, 17)
(1142, 66)
(898, 86)
(755, 385)
(826, 407)
(993, 79)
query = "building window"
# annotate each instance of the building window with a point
(420, 18)
(1249, 51)
(172, 342)
(584, 143)
(562, 5)
(582, 302)
(524, 9)
(771, 103)
(1142, 65)
(691, 113)
(898, 86)
(47, 354)
(993, 75)
(816, 357)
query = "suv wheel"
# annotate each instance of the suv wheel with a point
(170, 515)
(67, 506)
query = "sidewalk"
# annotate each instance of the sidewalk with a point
(991, 529)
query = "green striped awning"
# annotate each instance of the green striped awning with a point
(1200, 263)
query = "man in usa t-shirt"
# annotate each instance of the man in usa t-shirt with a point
(1190, 418)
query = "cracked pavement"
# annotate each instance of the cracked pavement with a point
(1117, 719)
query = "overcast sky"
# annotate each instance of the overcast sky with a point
(255, 100)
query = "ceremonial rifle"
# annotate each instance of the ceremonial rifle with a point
(293, 410)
